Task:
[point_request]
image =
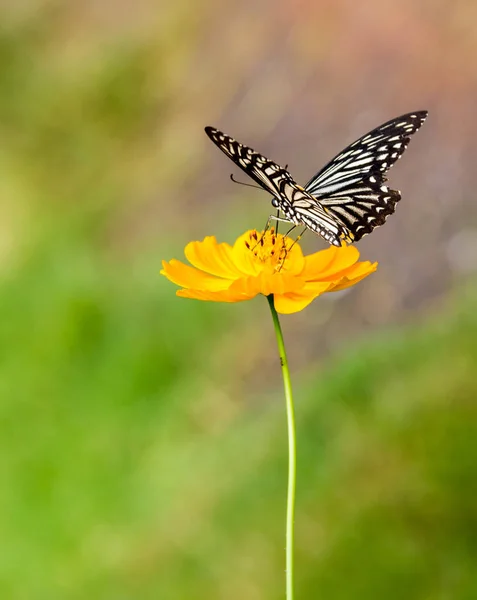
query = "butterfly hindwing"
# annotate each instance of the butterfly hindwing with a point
(364, 208)
(314, 216)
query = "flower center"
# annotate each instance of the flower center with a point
(272, 249)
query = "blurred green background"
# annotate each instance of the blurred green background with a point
(142, 437)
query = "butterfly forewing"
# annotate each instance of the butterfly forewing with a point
(372, 154)
(265, 172)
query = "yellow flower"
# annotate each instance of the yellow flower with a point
(265, 264)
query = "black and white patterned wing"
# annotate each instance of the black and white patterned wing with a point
(351, 186)
(263, 171)
(372, 154)
(291, 198)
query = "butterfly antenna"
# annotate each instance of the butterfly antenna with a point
(246, 184)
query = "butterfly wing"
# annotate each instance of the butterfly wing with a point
(263, 171)
(347, 198)
(298, 206)
(351, 186)
(311, 213)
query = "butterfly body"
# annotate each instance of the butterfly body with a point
(346, 199)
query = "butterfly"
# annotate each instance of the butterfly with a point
(347, 198)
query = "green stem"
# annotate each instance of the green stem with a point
(291, 450)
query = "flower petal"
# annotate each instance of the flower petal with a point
(221, 296)
(189, 277)
(295, 301)
(244, 257)
(212, 257)
(325, 264)
(259, 264)
(267, 283)
(295, 261)
(358, 272)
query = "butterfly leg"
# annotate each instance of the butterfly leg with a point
(287, 250)
(276, 218)
(289, 231)
(278, 222)
(300, 235)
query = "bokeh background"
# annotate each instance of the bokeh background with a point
(142, 437)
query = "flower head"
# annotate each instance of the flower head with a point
(264, 263)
